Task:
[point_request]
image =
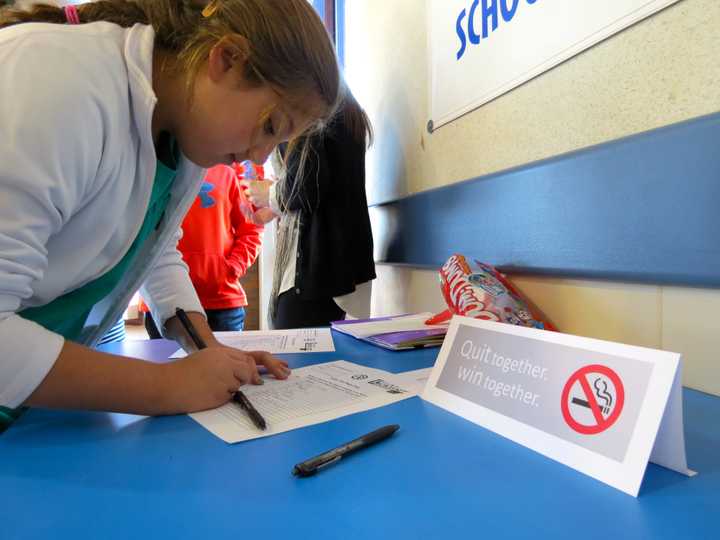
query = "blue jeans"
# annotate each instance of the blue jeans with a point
(226, 319)
(218, 319)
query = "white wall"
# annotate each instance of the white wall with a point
(662, 70)
(266, 262)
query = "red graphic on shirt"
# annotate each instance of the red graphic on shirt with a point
(599, 390)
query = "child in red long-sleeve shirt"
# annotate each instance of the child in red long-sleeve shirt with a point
(219, 245)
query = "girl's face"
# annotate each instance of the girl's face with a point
(230, 120)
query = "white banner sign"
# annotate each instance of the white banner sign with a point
(596, 406)
(480, 49)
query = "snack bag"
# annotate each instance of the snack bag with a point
(480, 291)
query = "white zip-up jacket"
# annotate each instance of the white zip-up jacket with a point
(77, 164)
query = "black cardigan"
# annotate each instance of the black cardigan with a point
(335, 244)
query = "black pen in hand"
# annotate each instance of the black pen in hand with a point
(238, 397)
(311, 466)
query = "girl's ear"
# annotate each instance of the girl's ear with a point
(227, 56)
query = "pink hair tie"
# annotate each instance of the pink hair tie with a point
(71, 15)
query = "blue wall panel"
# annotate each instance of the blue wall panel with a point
(643, 208)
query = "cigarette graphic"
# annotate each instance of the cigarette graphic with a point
(583, 403)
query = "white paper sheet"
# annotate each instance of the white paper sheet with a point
(415, 380)
(669, 448)
(299, 340)
(311, 395)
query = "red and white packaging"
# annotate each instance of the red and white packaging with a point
(482, 292)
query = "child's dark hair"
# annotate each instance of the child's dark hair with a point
(355, 119)
(284, 41)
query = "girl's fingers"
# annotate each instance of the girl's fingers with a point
(243, 374)
(244, 369)
(279, 368)
(246, 365)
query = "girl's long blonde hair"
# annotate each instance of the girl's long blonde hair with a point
(289, 47)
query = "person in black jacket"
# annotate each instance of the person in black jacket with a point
(324, 250)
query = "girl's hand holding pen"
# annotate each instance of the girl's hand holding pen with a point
(208, 378)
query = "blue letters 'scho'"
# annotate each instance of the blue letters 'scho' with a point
(489, 13)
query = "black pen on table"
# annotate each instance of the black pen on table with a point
(311, 466)
(238, 397)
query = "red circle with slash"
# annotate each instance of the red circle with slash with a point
(602, 423)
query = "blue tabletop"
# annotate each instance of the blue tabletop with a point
(99, 475)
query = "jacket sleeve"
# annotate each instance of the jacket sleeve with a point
(47, 171)
(168, 285)
(246, 235)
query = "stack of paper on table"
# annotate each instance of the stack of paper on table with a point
(297, 340)
(395, 333)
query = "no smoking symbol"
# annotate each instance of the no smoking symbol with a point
(592, 399)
